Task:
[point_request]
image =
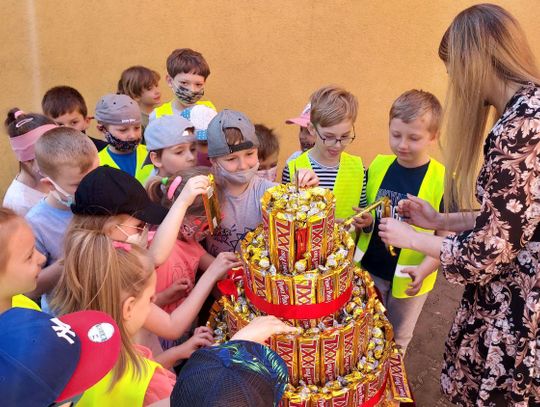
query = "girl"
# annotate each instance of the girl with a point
(118, 278)
(20, 261)
(24, 129)
(176, 277)
(492, 351)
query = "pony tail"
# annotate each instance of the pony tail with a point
(155, 189)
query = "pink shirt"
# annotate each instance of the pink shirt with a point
(162, 382)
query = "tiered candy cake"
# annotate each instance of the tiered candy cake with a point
(298, 266)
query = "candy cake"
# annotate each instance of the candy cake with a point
(298, 266)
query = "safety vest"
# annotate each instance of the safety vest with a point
(166, 108)
(348, 185)
(126, 392)
(22, 301)
(431, 190)
(141, 172)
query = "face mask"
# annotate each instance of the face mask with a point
(187, 96)
(269, 174)
(68, 199)
(120, 145)
(139, 239)
(202, 159)
(239, 177)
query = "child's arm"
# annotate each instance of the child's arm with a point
(205, 261)
(176, 291)
(202, 337)
(174, 325)
(307, 178)
(167, 232)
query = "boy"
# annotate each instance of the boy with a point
(267, 152)
(64, 157)
(415, 118)
(187, 71)
(332, 116)
(119, 119)
(305, 138)
(200, 116)
(170, 141)
(232, 148)
(66, 106)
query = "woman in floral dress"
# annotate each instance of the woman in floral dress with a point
(492, 355)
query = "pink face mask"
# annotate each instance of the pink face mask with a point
(269, 174)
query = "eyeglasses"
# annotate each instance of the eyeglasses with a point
(332, 141)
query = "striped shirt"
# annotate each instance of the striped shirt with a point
(327, 178)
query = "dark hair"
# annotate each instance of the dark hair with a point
(268, 141)
(24, 123)
(136, 79)
(61, 100)
(185, 60)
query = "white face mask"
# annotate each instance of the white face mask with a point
(68, 199)
(140, 239)
(238, 177)
(269, 174)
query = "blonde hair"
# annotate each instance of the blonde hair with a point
(483, 43)
(331, 105)
(98, 276)
(64, 146)
(415, 103)
(7, 217)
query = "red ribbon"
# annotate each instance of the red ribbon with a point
(307, 311)
(227, 286)
(377, 397)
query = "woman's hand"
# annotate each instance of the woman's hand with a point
(418, 212)
(261, 328)
(396, 233)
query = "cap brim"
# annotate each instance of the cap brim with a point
(300, 121)
(147, 160)
(98, 354)
(153, 213)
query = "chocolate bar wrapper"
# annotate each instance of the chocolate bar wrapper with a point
(309, 359)
(344, 279)
(317, 242)
(361, 336)
(330, 355)
(372, 386)
(398, 378)
(358, 390)
(347, 347)
(281, 244)
(321, 400)
(282, 290)
(261, 283)
(231, 318)
(341, 398)
(286, 346)
(211, 205)
(298, 401)
(305, 292)
(301, 239)
(327, 286)
(330, 223)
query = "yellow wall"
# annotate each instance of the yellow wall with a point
(266, 56)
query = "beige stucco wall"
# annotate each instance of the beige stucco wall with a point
(266, 56)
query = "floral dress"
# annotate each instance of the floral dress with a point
(492, 354)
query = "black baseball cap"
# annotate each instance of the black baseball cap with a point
(108, 191)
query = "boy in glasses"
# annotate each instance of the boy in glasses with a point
(332, 116)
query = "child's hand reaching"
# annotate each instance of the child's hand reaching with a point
(261, 328)
(195, 186)
(307, 178)
(202, 337)
(418, 274)
(363, 221)
(176, 291)
(223, 263)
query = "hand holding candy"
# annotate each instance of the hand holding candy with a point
(396, 233)
(261, 328)
(418, 212)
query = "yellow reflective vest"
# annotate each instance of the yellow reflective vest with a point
(348, 185)
(22, 301)
(431, 190)
(141, 172)
(166, 108)
(126, 392)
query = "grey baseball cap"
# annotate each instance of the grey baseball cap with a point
(217, 143)
(168, 131)
(117, 110)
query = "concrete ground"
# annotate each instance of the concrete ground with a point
(424, 354)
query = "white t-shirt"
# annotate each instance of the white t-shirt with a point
(21, 198)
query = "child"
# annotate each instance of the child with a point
(66, 106)
(332, 116)
(187, 71)
(119, 119)
(110, 201)
(171, 145)
(64, 157)
(200, 116)
(306, 139)
(414, 124)
(268, 152)
(142, 85)
(20, 262)
(24, 130)
(232, 148)
(46, 361)
(117, 278)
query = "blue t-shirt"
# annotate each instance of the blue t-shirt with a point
(126, 162)
(397, 183)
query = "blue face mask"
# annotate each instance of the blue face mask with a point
(68, 199)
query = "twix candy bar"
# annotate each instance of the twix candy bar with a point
(287, 347)
(398, 378)
(330, 355)
(211, 205)
(309, 359)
